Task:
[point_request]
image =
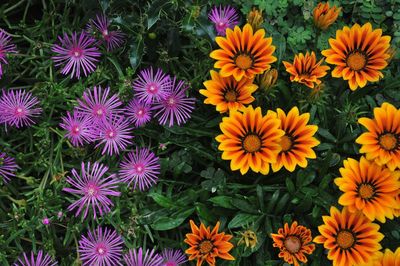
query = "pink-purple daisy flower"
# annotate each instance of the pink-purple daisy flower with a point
(41, 259)
(112, 38)
(138, 112)
(141, 167)
(76, 53)
(98, 104)
(175, 107)
(8, 167)
(223, 17)
(18, 108)
(115, 134)
(93, 189)
(80, 128)
(139, 258)
(151, 86)
(173, 257)
(5, 48)
(102, 247)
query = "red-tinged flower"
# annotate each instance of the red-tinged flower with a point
(5, 48)
(80, 128)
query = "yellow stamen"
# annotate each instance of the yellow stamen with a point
(286, 143)
(243, 61)
(356, 61)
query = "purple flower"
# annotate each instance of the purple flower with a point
(113, 39)
(175, 107)
(115, 134)
(7, 167)
(223, 17)
(173, 257)
(18, 108)
(93, 189)
(151, 88)
(101, 248)
(42, 259)
(139, 258)
(140, 167)
(97, 104)
(138, 112)
(5, 47)
(76, 54)
(80, 128)
(46, 221)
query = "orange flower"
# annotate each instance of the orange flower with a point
(359, 54)
(255, 18)
(388, 258)
(351, 238)
(382, 141)
(243, 54)
(293, 243)
(368, 188)
(267, 80)
(250, 140)
(324, 15)
(306, 70)
(227, 93)
(206, 245)
(298, 141)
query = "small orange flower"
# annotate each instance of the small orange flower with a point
(324, 15)
(306, 70)
(242, 53)
(388, 258)
(267, 80)
(206, 245)
(293, 243)
(255, 18)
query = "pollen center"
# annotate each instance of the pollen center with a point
(388, 141)
(75, 129)
(345, 239)
(152, 88)
(101, 249)
(205, 247)
(230, 96)
(243, 61)
(292, 244)
(92, 190)
(171, 102)
(139, 168)
(366, 191)
(356, 61)
(170, 263)
(251, 143)
(286, 143)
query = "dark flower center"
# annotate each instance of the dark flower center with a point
(244, 61)
(286, 143)
(230, 95)
(389, 141)
(292, 244)
(205, 247)
(345, 239)
(356, 61)
(251, 143)
(366, 191)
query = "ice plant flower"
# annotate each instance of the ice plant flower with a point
(112, 38)
(5, 48)
(80, 128)
(137, 257)
(98, 104)
(76, 54)
(381, 142)
(141, 167)
(151, 86)
(306, 70)
(173, 257)
(138, 112)
(93, 189)
(206, 245)
(249, 238)
(41, 259)
(387, 258)
(223, 17)
(359, 54)
(101, 247)
(267, 80)
(298, 141)
(18, 108)
(250, 140)
(324, 15)
(115, 134)
(46, 221)
(351, 238)
(227, 93)
(175, 107)
(242, 53)
(294, 242)
(368, 188)
(8, 167)
(255, 18)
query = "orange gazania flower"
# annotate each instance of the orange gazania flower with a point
(298, 141)
(324, 15)
(227, 93)
(382, 141)
(368, 188)
(293, 243)
(306, 70)
(206, 245)
(250, 140)
(388, 258)
(243, 54)
(351, 238)
(359, 54)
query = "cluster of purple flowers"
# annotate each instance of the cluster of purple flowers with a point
(223, 17)
(7, 167)
(5, 48)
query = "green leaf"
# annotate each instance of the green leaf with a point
(222, 201)
(153, 15)
(326, 134)
(167, 223)
(242, 219)
(136, 52)
(162, 200)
